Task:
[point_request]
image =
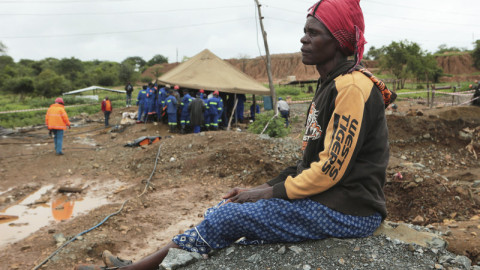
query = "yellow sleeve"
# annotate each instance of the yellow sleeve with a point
(341, 137)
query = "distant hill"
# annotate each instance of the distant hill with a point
(286, 67)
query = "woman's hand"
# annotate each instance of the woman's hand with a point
(233, 192)
(251, 195)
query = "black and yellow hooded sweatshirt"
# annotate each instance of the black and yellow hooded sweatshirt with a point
(345, 147)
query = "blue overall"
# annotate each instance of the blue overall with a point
(162, 95)
(214, 110)
(142, 95)
(240, 107)
(171, 103)
(185, 115)
(150, 100)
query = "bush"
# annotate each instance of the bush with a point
(19, 85)
(50, 84)
(276, 126)
(420, 87)
(107, 79)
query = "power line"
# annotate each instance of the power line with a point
(121, 32)
(421, 9)
(388, 16)
(118, 12)
(61, 1)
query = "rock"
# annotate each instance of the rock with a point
(282, 250)
(60, 239)
(177, 258)
(230, 250)
(254, 258)
(426, 136)
(464, 136)
(96, 165)
(418, 180)
(464, 261)
(418, 220)
(296, 249)
(476, 183)
(406, 234)
(264, 136)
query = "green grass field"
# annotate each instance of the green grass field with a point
(10, 102)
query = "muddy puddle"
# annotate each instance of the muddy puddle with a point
(45, 207)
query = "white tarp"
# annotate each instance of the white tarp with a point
(93, 87)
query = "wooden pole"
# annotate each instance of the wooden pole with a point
(428, 97)
(433, 97)
(231, 115)
(454, 91)
(267, 52)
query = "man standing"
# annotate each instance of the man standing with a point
(215, 109)
(129, 89)
(57, 121)
(184, 114)
(171, 103)
(107, 109)
(196, 108)
(284, 109)
(141, 101)
(336, 189)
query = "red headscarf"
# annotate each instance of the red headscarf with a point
(344, 19)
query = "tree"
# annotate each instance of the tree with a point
(49, 84)
(19, 85)
(157, 59)
(69, 67)
(6, 60)
(126, 72)
(136, 61)
(395, 60)
(374, 53)
(476, 54)
(443, 48)
(3, 48)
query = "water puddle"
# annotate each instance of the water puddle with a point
(41, 208)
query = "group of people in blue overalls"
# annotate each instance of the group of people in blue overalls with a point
(162, 103)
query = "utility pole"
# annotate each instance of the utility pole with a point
(267, 52)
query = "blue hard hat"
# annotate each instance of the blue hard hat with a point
(280, 98)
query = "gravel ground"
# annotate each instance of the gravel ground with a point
(376, 252)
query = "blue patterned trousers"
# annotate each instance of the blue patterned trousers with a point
(272, 221)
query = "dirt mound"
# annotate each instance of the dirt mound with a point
(456, 64)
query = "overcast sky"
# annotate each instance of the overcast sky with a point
(116, 29)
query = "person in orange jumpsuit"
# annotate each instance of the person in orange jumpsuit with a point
(57, 121)
(107, 109)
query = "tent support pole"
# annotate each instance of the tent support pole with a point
(231, 116)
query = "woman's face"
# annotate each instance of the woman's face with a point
(318, 45)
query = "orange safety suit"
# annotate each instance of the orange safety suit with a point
(57, 117)
(106, 105)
